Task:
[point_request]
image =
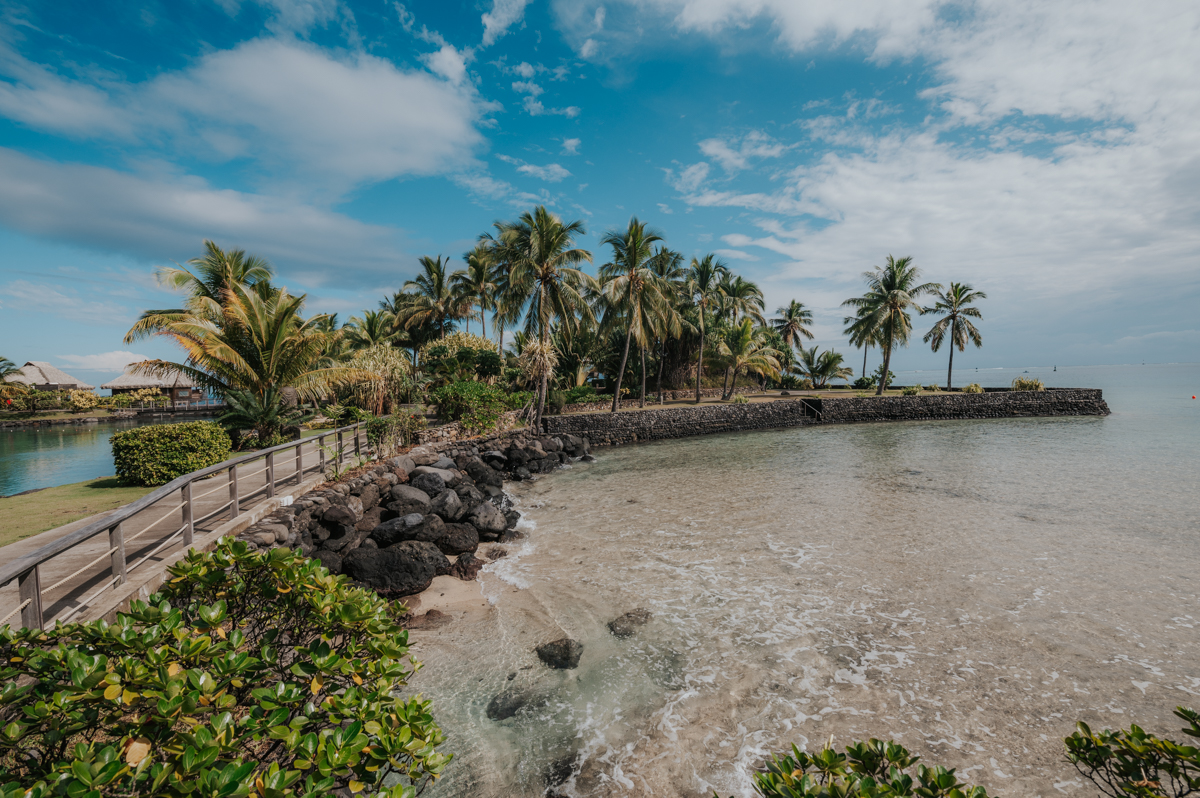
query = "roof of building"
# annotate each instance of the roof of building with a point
(37, 372)
(131, 381)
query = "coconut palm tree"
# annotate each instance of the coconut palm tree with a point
(955, 303)
(703, 289)
(858, 328)
(542, 276)
(431, 299)
(821, 367)
(892, 291)
(10, 390)
(207, 287)
(792, 323)
(259, 345)
(740, 297)
(8, 368)
(744, 347)
(477, 284)
(668, 266)
(376, 327)
(634, 292)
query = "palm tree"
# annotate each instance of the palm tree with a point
(215, 275)
(477, 284)
(8, 390)
(744, 348)
(542, 275)
(668, 266)
(259, 345)
(884, 310)
(858, 328)
(8, 368)
(821, 367)
(430, 298)
(374, 328)
(955, 303)
(792, 323)
(702, 287)
(740, 297)
(634, 292)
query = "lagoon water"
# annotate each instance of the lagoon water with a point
(969, 588)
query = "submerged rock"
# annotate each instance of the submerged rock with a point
(627, 625)
(508, 702)
(563, 653)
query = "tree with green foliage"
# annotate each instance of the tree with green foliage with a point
(207, 288)
(634, 293)
(744, 347)
(821, 367)
(476, 285)
(703, 289)
(430, 299)
(892, 292)
(10, 389)
(792, 323)
(543, 278)
(740, 298)
(374, 328)
(955, 306)
(668, 266)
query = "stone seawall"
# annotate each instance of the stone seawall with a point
(613, 429)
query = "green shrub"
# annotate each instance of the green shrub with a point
(555, 401)
(973, 388)
(487, 363)
(390, 433)
(935, 388)
(874, 769)
(157, 454)
(1135, 763)
(740, 399)
(864, 382)
(82, 401)
(475, 404)
(518, 399)
(1027, 384)
(249, 674)
(910, 390)
(582, 395)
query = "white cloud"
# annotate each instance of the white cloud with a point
(448, 62)
(690, 180)
(736, 254)
(298, 110)
(64, 303)
(571, 146)
(551, 173)
(525, 70)
(735, 156)
(167, 217)
(664, 208)
(106, 361)
(535, 108)
(504, 14)
(484, 186)
(527, 87)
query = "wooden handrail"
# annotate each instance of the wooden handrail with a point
(25, 567)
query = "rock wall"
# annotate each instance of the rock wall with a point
(613, 429)
(445, 433)
(941, 406)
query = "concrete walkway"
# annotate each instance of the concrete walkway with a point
(71, 579)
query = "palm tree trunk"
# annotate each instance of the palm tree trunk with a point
(537, 419)
(728, 394)
(726, 388)
(887, 360)
(864, 372)
(483, 320)
(700, 361)
(642, 398)
(624, 357)
(950, 370)
(662, 356)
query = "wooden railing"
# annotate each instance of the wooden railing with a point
(127, 525)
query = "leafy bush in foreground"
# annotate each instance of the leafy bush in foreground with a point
(872, 769)
(910, 390)
(973, 388)
(250, 674)
(387, 434)
(1134, 763)
(157, 454)
(477, 405)
(1027, 384)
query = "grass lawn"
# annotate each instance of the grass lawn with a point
(46, 509)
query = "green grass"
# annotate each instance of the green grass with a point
(53, 507)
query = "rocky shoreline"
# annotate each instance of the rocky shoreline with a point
(401, 523)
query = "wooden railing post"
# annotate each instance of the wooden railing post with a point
(189, 527)
(234, 509)
(321, 449)
(270, 474)
(340, 447)
(357, 429)
(116, 541)
(299, 461)
(29, 585)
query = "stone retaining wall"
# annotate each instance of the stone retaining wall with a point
(612, 429)
(998, 404)
(448, 433)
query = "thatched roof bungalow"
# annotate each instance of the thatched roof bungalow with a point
(45, 377)
(177, 386)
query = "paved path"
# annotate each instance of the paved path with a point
(146, 533)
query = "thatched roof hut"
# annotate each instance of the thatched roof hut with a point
(129, 381)
(45, 377)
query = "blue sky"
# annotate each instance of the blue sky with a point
(1048, 154)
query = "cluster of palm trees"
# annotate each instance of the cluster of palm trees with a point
(647, 310)
(883, 314)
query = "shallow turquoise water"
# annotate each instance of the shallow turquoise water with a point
(971, 588)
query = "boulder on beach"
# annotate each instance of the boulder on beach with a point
(470, 497)
(423, 551)
(627, 625)
(508, 702)
(430, 481)
(486, 518)
(467, 567)
(330, 560)
(448, 505)
(406, 499)
(457, 539)
(392, 571)
(563, 653)
(397, 529)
